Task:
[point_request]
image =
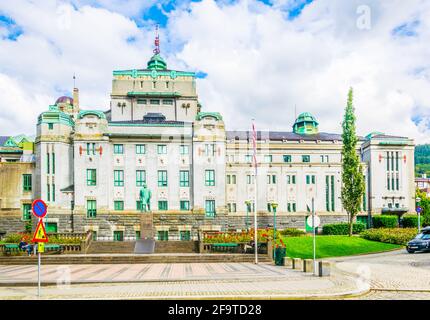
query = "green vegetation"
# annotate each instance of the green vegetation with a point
(422, 159)
(425, 204)
(410, 221)
(398, 236)
(353, 186)
(342, 228)
(333, 246)
(385, 221)
(292, 232)
(16, 238)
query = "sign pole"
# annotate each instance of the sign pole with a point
(314, 238)
(38, 269)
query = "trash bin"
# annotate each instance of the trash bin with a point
(279, 256)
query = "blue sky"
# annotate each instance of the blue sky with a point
(253, 58)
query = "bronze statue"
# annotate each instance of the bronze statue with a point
(145, 199)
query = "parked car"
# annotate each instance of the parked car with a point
(421, 242)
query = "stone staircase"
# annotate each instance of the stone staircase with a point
(66, 259)
(111, 247)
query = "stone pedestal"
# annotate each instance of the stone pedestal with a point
(324, 268)
(308, 265)
(297, 264)
(288, 262)
(147, 242)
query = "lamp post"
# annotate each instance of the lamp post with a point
(248, 209)
(274, 206)
(72, 207)
(418, 209)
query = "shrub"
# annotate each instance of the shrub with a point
(385, 221)
(390, 235)
(343, 228)
(16, 237)
(292, 232)
(411, 221)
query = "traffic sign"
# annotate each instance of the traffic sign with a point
(41, 247)
(317, 221)
(419, 209)
(40, 234)
(39, 208)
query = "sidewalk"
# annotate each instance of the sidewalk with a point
(174, 281)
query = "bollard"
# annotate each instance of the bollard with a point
(297, 264)
(288, 262)
(323, 268)
(308, 265)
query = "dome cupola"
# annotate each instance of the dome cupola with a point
(305, 124)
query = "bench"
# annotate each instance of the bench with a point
(225, 247)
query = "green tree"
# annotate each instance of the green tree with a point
(425, 204)
(352, 172)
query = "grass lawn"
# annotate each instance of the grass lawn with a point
(333, 246)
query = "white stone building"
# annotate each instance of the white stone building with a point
(91, 164)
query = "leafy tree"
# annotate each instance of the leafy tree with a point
(425, 204)
(353, 186)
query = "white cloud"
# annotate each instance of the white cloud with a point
(259, 64)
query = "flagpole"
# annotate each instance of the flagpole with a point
(254, 137)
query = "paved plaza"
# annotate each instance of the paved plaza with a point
(393, 275)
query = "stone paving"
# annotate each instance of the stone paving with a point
(172, 281)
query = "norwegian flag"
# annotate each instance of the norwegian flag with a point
(254, 146)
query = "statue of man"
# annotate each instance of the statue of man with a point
(145, 199)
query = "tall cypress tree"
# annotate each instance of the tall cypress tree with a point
(352, 172)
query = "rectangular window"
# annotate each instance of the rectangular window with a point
(185, 235)
(140, 178)
(184, 178)
(162, 178)
(268, 158)
(183, 149)
(162, 149)
(327, 193)
(48, 191)
(162, 205)
(53, 193)
(184, 205)
(231, 179)
(291, 179)
(26, 211)
(118, 176)
(141, 101)
(231, 207)
(137, 234)
(388, 161)
(118, 148)
(118, 236)
(287, 158)
(306, 158)
(392, 182)
(91, 208)
(168, 102)
(332, 194)
(50, 126)
(210, 149)
(53, 163)
(310, 179)
(48, 165)
(210, 208)
(392, 162)
(140, 149)
(397, 181)
(269, 207)
(294, 207)
(248, 158)
(91, 177)
(154, 101)
(163, 235)
(397, 161)
(210, 178)
(364, 201)
(26, 182)
(118, 205)
(250, 179)
(388, 181)
(289, 207)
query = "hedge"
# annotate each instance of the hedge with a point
(399, 236)
(292, 232)
(342, 228)
(411, 221)
(385, 221)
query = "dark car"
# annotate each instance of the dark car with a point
(421, 242)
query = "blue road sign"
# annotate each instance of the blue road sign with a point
(39, 208)
(419, 209)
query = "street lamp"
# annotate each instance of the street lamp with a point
(274, 206)
(72, 207)
(248, 209)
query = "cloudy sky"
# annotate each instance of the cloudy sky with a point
(255, 59)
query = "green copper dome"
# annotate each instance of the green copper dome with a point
(157, 63)
(305, 124)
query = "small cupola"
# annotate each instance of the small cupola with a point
(305, 124)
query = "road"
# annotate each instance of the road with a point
(393, 275)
